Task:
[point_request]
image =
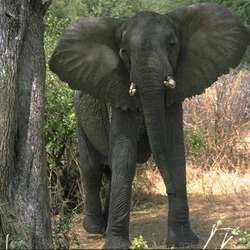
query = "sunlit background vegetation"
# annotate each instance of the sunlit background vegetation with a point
(216, 123)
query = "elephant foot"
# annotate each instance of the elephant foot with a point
(181, 235)
(116, 242)
(95, 224)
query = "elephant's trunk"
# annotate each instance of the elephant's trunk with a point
(152, 77)
(154, 113)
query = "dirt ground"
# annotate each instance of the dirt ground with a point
(150, 220)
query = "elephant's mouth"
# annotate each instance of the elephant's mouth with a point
(169, 83)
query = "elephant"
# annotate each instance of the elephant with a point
(130, 78)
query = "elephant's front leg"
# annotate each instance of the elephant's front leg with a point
(179, 230)
(123, 148)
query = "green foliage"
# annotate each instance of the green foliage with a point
(116, 8)
(164, 6)
(60, 129)
(139, 243)
(242, 236)
(74, 9)
(59, 112)
(19, 244)
(194, 141)
(61, 236)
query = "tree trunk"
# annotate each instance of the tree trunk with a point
(24, 204)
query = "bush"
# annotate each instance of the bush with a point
(74, 9)
(60, 130)
(217, 124)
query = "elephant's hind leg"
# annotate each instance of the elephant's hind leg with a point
(93, 132)
(94, 221)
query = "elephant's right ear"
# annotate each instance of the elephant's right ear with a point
(86, 57)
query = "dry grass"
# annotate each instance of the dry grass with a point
(200, 182)
(217, 124)
(218, 182)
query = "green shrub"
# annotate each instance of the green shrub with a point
(139, 243)
(240, 237)
(61, 235)
(60, 130)
(74, 9)
(194, 141)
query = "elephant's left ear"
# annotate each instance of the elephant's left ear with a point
(212, 41)
(87, 58)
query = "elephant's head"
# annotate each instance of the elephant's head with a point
(149, 48)
(150, 59)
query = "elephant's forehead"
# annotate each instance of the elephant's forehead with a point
(147, 25)
(141, 31)
(145, 37)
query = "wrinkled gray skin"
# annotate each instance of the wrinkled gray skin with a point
(101, 57)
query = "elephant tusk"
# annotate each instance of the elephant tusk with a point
(132, 89)
(170, 82)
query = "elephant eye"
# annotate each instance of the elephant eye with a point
(124, 50)
(124, 53)
(171, 42)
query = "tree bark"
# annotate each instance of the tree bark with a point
(24, 204)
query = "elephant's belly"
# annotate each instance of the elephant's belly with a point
(98, 137)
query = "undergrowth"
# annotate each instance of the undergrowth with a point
(217, 124)
(238, 236)
(61, 236)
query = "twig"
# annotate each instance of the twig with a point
(7, 242)
(213, 231)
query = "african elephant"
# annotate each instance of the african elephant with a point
(131, 76)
